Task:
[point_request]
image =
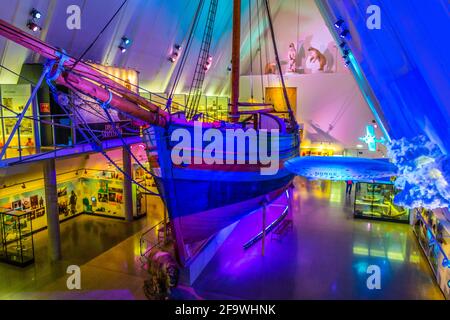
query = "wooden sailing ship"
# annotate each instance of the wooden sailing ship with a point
(201, 198)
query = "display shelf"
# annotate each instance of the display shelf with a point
(432, 236)
(17, 245)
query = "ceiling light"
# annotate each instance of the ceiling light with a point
(344, 34)
(126, 41)
(339, 23)
(33, 26)
(35, 14)
(175, 53)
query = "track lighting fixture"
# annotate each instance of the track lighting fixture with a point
(125, 43)
(23, 185)
(208, 63)
(344, 34)
(33, 26)
(339, 23)
(176, 51)
(35, 14)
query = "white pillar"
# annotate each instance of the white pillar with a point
(51, 202)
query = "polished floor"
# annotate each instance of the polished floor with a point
(83, 239)
(325, 257)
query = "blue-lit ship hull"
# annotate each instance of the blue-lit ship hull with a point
(203, 199)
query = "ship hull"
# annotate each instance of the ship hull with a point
(202, 199)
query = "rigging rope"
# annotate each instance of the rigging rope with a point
(251, 48)
(277, 58)
(263, 96)
(95, 142)
(185, 53)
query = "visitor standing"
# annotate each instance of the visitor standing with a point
(348, 189)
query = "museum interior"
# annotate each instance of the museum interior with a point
(245, 149)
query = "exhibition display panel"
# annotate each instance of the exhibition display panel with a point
(376, 200)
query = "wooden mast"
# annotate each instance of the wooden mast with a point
(235, 62)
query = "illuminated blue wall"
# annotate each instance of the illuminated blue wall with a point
(403, 68)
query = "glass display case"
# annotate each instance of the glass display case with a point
(16, 235)
(376, 201)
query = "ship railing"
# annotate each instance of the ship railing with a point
(153, 238)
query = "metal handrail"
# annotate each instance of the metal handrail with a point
(142, 239)
(445, 261)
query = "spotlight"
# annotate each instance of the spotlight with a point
(175, 53)
(85, 171)
(126, 41)
(347, 63)
(344, 34)
(339, 23)
(35, 14)
(23, 185)
(346, 52)
(342, 44)
(33, 26)
(124, 44)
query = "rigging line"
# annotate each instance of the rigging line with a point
(97, 145)
(129, 116)
(15, 73)
(266, 43)
(196, 88)
(93, 112)
(119, 134)
(344, 104)
(98, 35)
(344, 109)
(263, 96)
(286, 97)
(188, 46)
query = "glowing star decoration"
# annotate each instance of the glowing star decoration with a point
(424, 173)
(371, 139)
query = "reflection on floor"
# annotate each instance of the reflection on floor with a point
(83, 240)
(325, 257)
